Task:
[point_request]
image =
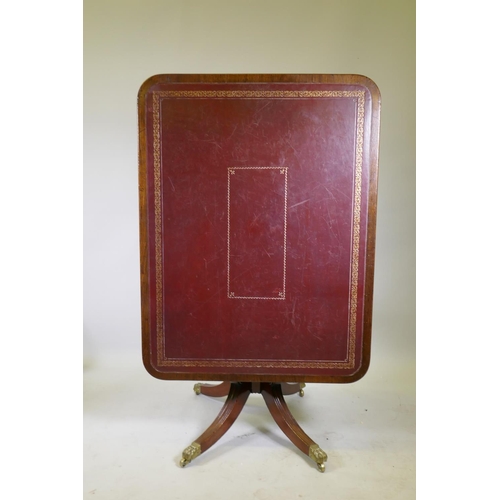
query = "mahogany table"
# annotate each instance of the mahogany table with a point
(257, 230)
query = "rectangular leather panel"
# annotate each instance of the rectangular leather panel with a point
(256, 202)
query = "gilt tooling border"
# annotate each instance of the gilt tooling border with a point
(349, 361)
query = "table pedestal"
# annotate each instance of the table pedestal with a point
(237, 394)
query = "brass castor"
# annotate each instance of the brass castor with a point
(190, 453)
(319, 456)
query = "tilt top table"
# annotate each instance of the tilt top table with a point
(257, 231)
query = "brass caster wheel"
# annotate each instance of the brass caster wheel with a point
(301, 392)
(184, 462)
(197, 390)
(319, 456)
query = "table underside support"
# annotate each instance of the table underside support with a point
(237, 394)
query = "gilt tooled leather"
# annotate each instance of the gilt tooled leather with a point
(257, 203)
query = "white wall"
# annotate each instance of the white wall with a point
(128, 41)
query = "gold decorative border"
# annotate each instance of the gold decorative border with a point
(256, 363)
(232, 171)
(160, 337)
(353, 306)
(259, 94)
(349, 362)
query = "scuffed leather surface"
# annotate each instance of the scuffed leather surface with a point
(314, 141)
